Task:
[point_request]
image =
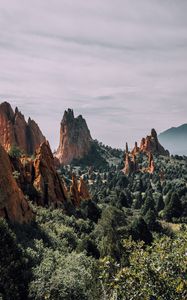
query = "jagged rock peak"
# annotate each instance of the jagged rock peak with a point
(15, 131)
(13, 204)
(75, 138)
(153, 133)
(68, 115)
(150, 144)
(47, 181)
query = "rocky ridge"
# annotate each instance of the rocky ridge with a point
(15, 131)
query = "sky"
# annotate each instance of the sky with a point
(121, 64)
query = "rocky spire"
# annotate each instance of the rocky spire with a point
(83, 190)
(75, 138)
(129, 167)
(135, 149)
(126, 148)
(151, 166)
(46, 180)
(151, 144)
(75, 196)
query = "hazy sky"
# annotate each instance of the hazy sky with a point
(122, 64)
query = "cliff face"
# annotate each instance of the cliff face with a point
(46, 179)
(14, 130)
(39, 179)
(75, 138)
(13, 204)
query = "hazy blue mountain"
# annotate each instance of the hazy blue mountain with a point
(175, 139)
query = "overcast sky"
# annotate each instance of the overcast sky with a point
(121, 64)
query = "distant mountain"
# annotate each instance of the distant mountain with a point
(175, 139)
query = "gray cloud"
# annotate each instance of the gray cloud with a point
(122, 64)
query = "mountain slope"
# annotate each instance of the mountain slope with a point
(175, 139)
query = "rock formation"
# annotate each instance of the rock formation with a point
(135, 149)
(38, 177)
(151, 167)
(46, 179)
(126, 148)
(83, 190)
(14, 130)
(75, 197)
(151, 144)
(75, 138)
(130, 164)
(79, 190)
(13, 204)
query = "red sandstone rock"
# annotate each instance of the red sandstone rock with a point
(135, 149)
(14, 130)
(130, 164)
(83, 190)
(151, 167)
(151, 144)
(46, 179)
(13, 204)
(79, 190)
(75, 138)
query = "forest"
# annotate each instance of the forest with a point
(128, 242)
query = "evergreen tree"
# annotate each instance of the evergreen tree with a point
(173, 208)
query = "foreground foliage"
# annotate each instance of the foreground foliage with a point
(153, 272)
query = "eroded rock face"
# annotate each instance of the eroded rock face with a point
(14, 130)
(13, 204)
(135, 149)
(151, 144)
(46, 179)
(151, 167)
(79, 190)
(130, 164)
(75, 138)
(83, 190)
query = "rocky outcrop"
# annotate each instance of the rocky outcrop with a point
(13, 204)
(83, 190)
(35, 136)
(151, 144)
(15, 131)
(79, 190)
(136, 149)
(75, 197)
(130, 164)
(151, 166)
(75, 138)
(38, 177)
(46, 179)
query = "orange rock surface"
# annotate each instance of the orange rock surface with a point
(79, 190)
(151, 144)
(13, 204)
(14, 130)
(46, 179)
(75, 138)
